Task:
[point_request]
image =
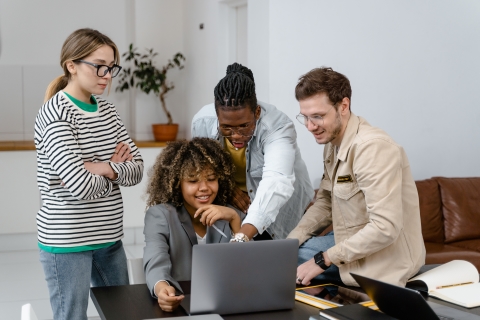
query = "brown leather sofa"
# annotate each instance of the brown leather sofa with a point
(450, 213)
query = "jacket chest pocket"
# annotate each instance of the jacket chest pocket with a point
(350, 202)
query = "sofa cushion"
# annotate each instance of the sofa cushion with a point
(442, 253)
(430, 210)
(461, 212)
(468, 244)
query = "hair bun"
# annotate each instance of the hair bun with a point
(238, 68)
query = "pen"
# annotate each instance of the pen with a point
(219, 231)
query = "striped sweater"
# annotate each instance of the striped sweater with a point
(88, 209)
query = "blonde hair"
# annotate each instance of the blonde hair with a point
(80, 44)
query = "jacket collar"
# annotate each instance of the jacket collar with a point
(348, 137)
(187, 224)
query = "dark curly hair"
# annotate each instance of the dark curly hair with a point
(180, 159)
(236, 90)
(323, 79)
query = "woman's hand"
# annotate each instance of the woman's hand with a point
(122, 153)
(101, 169)
(212, 213)
(167, 300)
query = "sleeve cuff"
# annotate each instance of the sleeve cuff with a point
(335, 256)
(154, 294)
(257, 222)
(115, 169)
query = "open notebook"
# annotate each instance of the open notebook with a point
(456, 281)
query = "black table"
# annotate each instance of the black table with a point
(133, 302)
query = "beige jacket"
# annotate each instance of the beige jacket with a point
(370, 196)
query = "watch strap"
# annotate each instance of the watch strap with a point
(320, 260)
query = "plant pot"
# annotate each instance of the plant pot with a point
(165, 132)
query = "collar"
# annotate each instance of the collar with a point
(187, 224)
(348, 137)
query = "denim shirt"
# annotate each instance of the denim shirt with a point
(277, 179)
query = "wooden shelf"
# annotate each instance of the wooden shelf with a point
(29, 145)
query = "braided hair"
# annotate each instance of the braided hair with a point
(236, 90)
(183, 158)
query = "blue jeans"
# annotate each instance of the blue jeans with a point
(69, 275)
(311, 247)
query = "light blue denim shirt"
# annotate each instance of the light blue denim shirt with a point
(277, 178)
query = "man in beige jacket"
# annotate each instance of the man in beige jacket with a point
(367, 192)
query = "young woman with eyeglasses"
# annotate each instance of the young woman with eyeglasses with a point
(84, 155)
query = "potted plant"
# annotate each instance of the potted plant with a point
(148, 78)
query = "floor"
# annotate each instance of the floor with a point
(22, 281)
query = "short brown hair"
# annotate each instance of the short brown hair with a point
(323, 80)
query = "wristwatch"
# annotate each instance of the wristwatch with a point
(239, 237)
(320, 260)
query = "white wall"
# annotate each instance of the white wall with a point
(31, 37)
(159, 25)
(202, 47)
(413, 66)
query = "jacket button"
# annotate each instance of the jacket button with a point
(251, 190)
(341, 262)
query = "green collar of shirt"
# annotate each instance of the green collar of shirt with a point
(88, 107)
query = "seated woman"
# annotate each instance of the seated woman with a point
(191, 182)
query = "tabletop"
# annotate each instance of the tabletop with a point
(134, 302)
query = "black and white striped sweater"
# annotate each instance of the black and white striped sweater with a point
(88, 209)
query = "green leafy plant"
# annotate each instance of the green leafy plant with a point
(146, 76)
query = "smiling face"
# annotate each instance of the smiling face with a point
(84, 80)
(240, 123)
(199, 190)
(334, 121)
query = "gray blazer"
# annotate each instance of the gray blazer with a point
(169, 238)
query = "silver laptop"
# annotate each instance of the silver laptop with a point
(245, 277)
(404, 303)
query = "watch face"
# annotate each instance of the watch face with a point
(319, 257)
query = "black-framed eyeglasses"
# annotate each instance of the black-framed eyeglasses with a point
(102, 69)
(244, 130)
(316, 120)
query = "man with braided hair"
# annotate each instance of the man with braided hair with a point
(272, 182)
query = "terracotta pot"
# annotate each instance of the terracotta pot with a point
(165, 132)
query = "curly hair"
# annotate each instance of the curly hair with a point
(182, 158)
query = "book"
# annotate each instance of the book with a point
(351, 312)
(456, 281)
(326, 296)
